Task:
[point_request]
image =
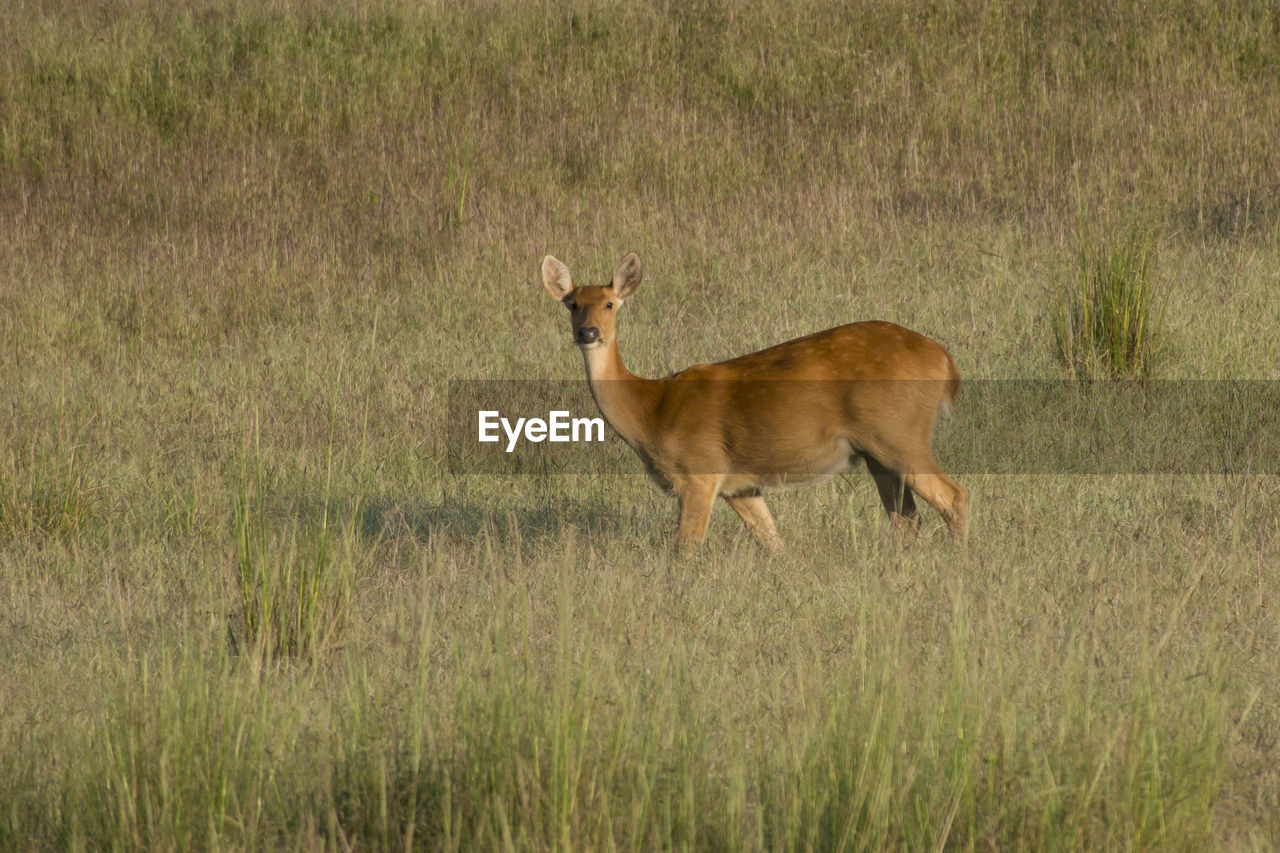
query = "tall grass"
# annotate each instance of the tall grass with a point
(177, 761)
(295, 580)
(1108, 320)
(537, 737)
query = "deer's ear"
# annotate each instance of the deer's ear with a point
(626, 277)
(555, 278)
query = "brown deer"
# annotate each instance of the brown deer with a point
(793, 413)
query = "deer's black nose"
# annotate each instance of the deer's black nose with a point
(588, 335)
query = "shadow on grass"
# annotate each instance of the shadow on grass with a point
(453, 517)
(463, 518)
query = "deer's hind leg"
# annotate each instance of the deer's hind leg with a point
(895, 496)
(759, 521)
(944, 494)
(907, 458)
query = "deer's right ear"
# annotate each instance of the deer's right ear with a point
(555, 278)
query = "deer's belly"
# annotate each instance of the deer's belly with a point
(794, 469)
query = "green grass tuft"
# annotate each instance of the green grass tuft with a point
(42, 498)
(1108, 320)
(295, 581)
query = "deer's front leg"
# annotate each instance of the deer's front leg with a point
(696, 495)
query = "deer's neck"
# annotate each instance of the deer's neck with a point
(627, 401)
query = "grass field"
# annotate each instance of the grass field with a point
(245, 603)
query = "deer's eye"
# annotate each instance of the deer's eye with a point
(572, 306)
(608, 305)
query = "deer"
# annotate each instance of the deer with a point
(798, 412)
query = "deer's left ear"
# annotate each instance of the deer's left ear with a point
(555, 278)
(626, 277)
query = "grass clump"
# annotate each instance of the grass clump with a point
(1108, 319)
(295, 584)
(43, 499)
